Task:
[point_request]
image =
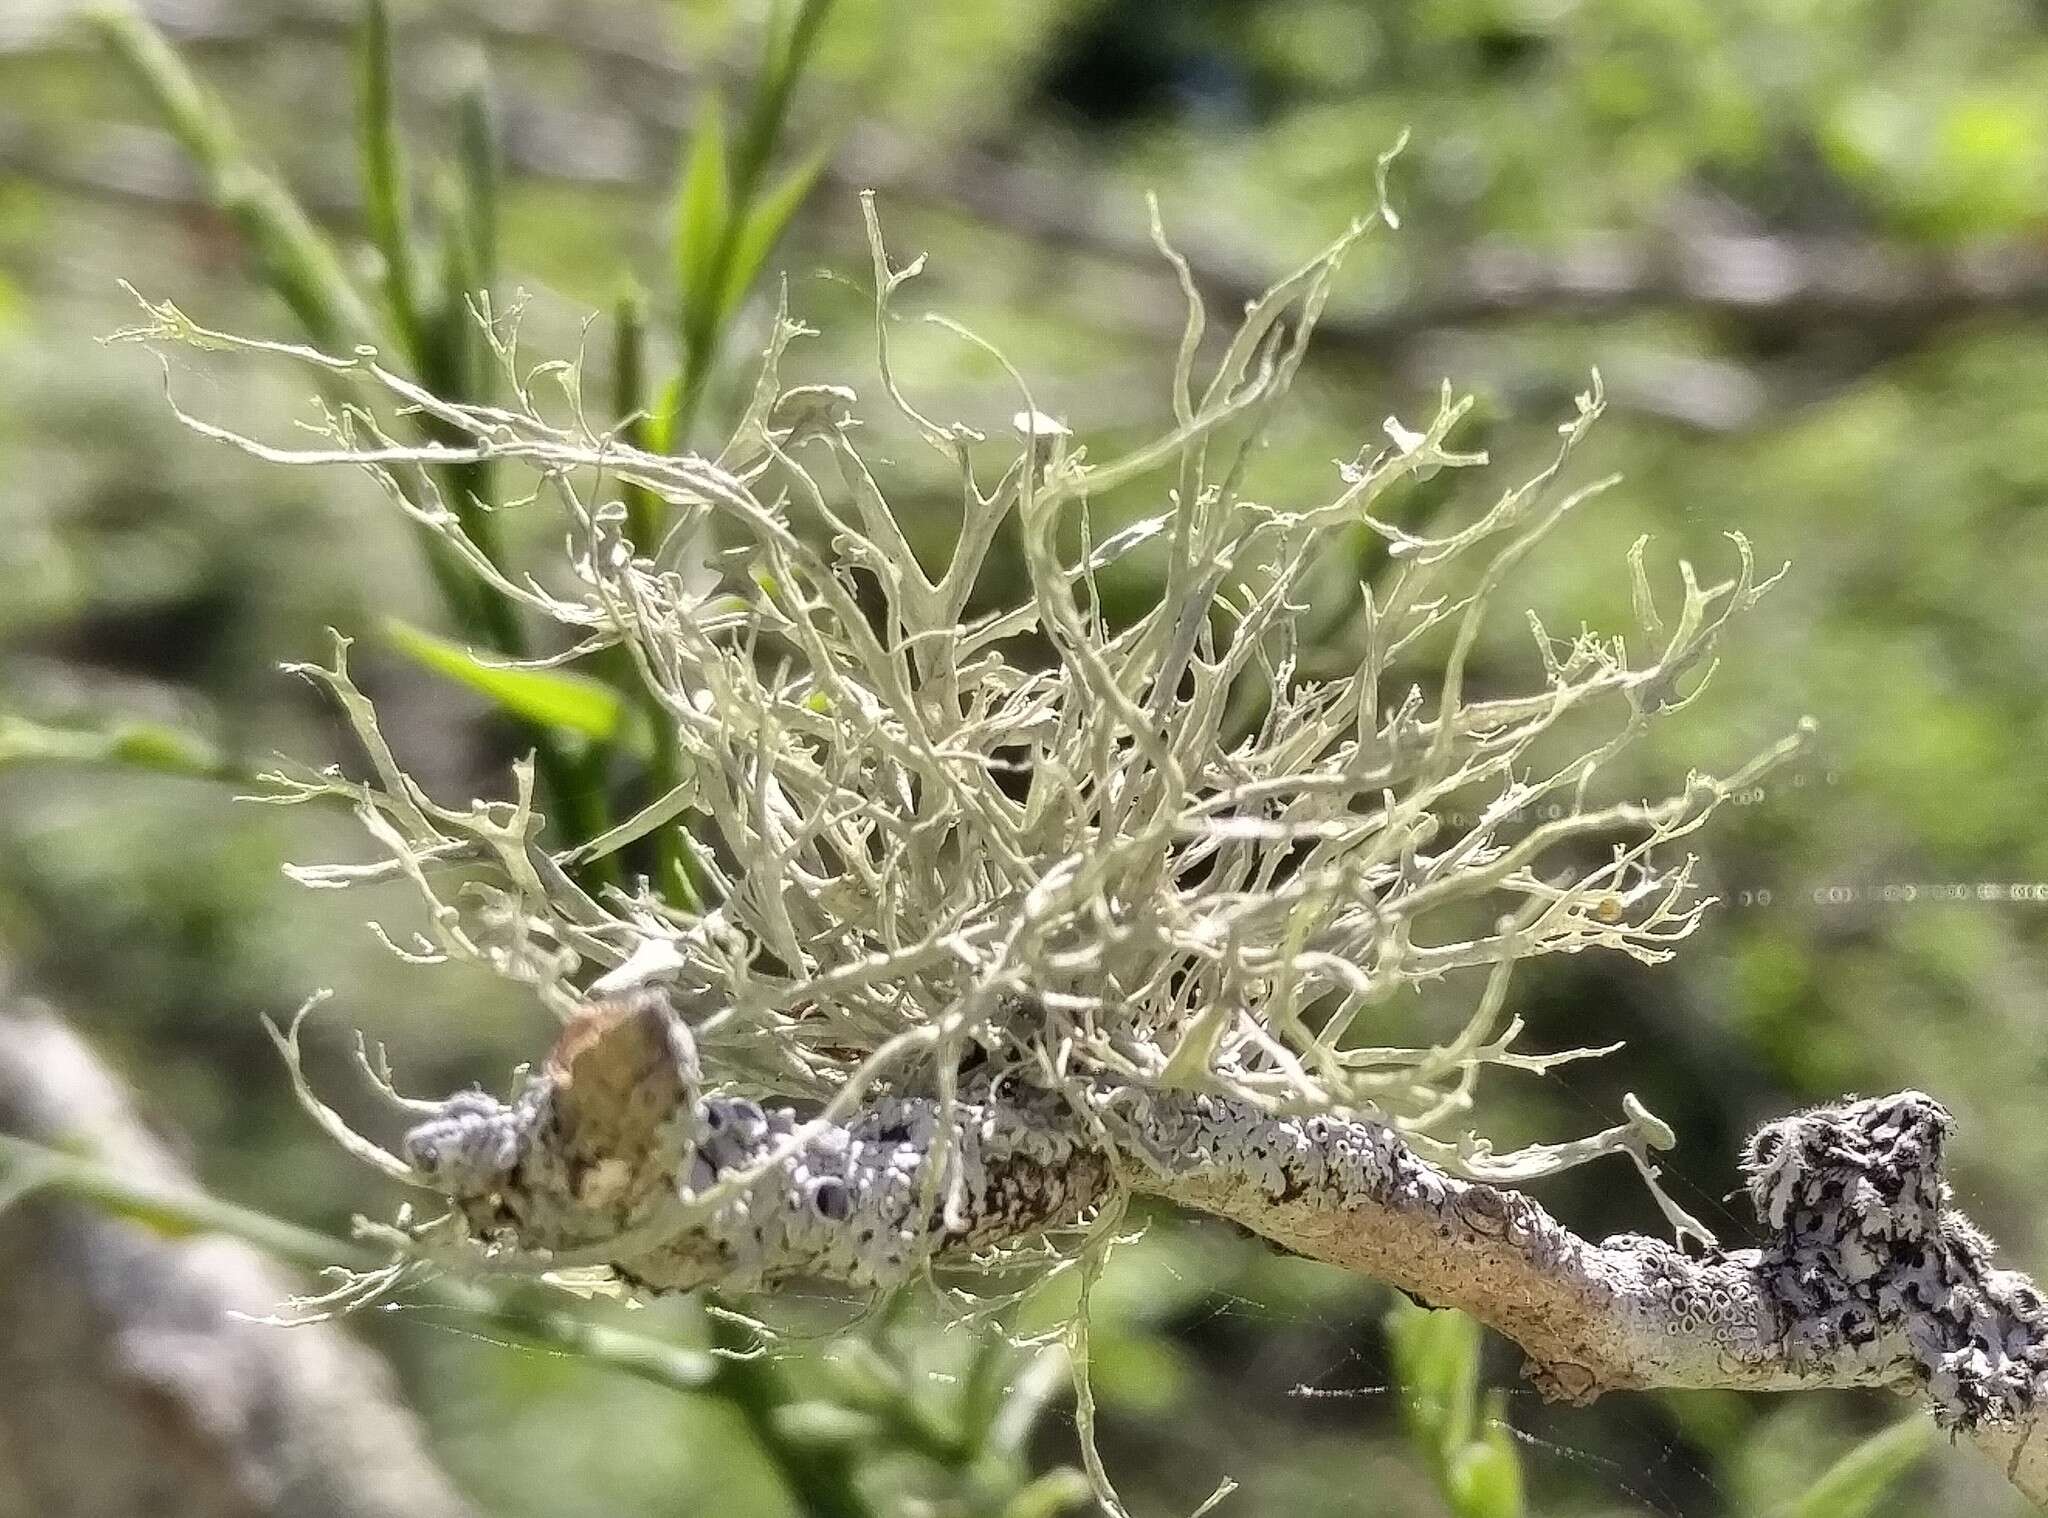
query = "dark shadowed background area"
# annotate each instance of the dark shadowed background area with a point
(1805, 243)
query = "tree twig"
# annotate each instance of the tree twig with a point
(1865, 1276)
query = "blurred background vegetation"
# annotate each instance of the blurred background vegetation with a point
(1805, 242)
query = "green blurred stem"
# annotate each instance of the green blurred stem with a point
(885, 1394)
(982, 1394)
(523, 1316)
(452, 366)
(704, 323)
(520, 1314)
(447, 350)
(457, 364)
(387, 202)
(439, 344)
(643, 525)
(787, 52)
(297, 261)
(820, 1477)
(629, 402)
(28, 1167)
(134, 745)
(387, 188)
(477, 152)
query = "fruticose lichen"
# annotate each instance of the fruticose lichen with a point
(958, 858)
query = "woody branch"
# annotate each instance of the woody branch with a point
(1864, 1277)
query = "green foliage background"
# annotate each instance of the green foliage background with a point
(1869, 938)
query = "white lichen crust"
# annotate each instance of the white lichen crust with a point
(1867, 1258)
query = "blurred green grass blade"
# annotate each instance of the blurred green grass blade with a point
(528, 1316)
(1484, 1482)
(983, 1390)
(136, 745)
(457, 366)
(762, 229)
(1485, 1477)
(551, 697)
(477, 144)
(629, 405)
(1851, 1486)
(291, 254)
(27, 1168)
(821, 1481)
(643, 524)
(1060, 1490)
(703, 203)
(295, 260)
(629, 357)
(298, 263)
(167, 1209)
(387, 189)
(786, 55)
(708, 254)
(457, 341)
(1436, 1360)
